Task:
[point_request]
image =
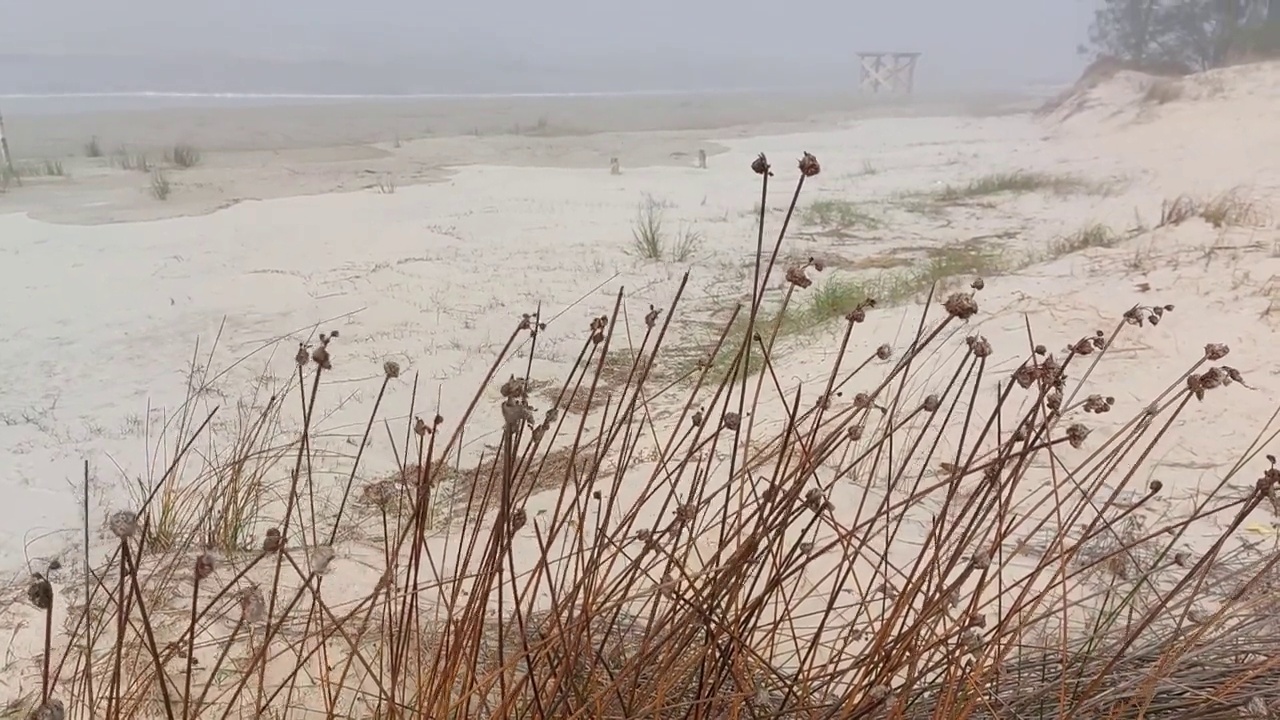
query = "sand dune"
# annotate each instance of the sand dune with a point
(1072, 218)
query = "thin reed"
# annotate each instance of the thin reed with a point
(927, 530)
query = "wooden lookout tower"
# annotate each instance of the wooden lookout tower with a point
(892, 72)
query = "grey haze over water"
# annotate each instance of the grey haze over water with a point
(394, 47)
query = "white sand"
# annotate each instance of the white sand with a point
(101, 319)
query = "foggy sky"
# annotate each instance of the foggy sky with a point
(966, 43)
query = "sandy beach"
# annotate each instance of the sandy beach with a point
(422, 243)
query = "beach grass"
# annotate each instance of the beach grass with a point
(840, 216)
(183, 155)
(652, 238)
(893, 543)
(1012, 183)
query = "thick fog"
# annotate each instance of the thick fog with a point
(512, 46)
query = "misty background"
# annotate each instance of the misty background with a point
(507, 46)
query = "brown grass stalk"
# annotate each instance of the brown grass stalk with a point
(886, 539)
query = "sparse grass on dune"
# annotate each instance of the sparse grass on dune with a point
(128, 160)
(30, 169)
(835, 297)
(1020, 182)
(901, 542)
(1229, 209)
(183, 155)
(652, 239)
(160, 187)
(838, 216)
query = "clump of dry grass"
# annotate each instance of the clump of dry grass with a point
(1230, 209)
(651, 240)
(1161, 91)
(160, 186)
(897, 544)
(183, 155)
(128, 160)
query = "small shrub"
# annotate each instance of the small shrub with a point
(386, 185)
(1162, 90)
(184, 155)
(1177, 211)
(39, 168)
(92, 148)
(1231, 210)
(1092, 236)
(126, 160)
(1226, 210)
(686, 244)
(160, 187)
(648, 239)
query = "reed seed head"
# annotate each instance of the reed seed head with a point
(204, 566)
(391, 369)
(971, 640)
(123, 524)
(884, 352)
(40, 592)
(273, 542)
(253, 608)
(977, 284)
(815, 501)
(731, 421)
(1098, 404)
(532, 323)
(1140, 315)
(980, 560)
(760, 165)
(932, 403)
(961, 305)
(978, 345)
(809, 166)
(321, 558)
(518, 518)
(320, 356)
(302, 356)
(516, 412)
(514, 387)
(797, 277)
(1155, 486)
(51, 709)
(1076, 435)
(1215, 351)
(651, 317)
(420, 427)
(859, 313)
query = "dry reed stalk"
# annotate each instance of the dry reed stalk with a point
(896, 544)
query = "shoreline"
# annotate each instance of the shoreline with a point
(302, 149)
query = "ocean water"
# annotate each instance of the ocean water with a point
(95, 102)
